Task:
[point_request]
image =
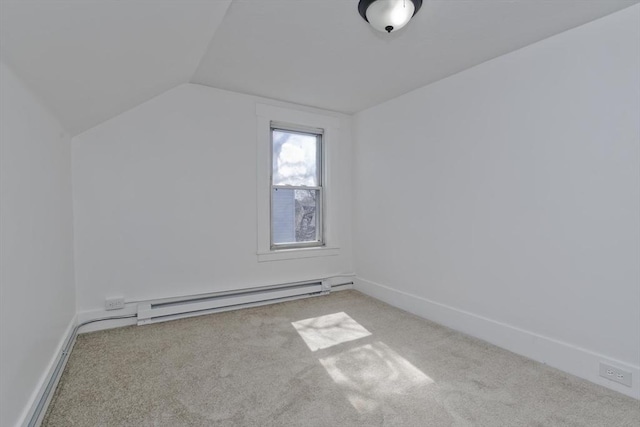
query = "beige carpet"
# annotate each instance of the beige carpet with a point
(339, 360)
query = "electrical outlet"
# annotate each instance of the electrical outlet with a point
(615, 374)
(114, 303)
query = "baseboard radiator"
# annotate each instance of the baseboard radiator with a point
(171, 309)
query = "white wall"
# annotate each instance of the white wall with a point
(37, 293)
(504, 200)
(165, 201)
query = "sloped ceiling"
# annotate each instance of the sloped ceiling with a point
(90, 60)
(322, 53)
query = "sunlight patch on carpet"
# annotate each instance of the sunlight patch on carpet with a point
(372, 373)
(327, 331)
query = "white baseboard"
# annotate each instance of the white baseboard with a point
(343, 287)
(32, 404)
(342, 282)
(130, 308)
(574, 360)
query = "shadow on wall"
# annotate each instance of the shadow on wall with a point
(369, 374)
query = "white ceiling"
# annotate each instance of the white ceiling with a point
(90, 60)
(322, 53)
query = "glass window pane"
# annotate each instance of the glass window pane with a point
(295, 158)
(295, 216)
(283, 216)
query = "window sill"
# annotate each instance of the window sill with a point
(284, 254)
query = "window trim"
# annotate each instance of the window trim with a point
(266, 114)
(320, 161)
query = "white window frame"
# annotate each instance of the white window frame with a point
(266, 116)
(319, 134)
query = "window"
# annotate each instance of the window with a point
(299, 159)
(296, 187)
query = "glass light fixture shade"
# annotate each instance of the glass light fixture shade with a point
(388, 15)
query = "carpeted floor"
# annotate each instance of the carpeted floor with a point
(339, 360)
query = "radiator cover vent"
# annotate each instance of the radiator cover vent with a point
(174, 308)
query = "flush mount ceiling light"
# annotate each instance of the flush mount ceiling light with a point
(388, 15)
